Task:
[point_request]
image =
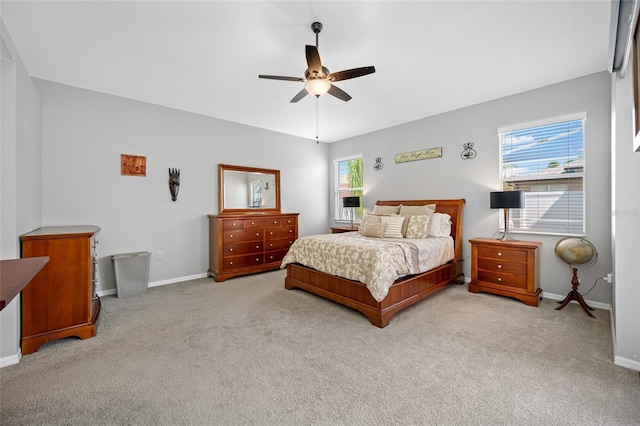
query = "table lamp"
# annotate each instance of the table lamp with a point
(351, 202)
(506, 200)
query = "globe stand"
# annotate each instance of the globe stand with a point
(574, 295)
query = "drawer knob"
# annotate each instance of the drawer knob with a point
(257, 259)
(271, 257)
(230, 249)
(257, 234)
(230, 235)
(231, 263)
(290, 231)
(253, 223)
(499, 253)
(271, 233)
(275, 222)
(499, 266)
(257, 247)
(499, 279)
(270, 245)
(233, 224)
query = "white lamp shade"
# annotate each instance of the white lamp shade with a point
(317, 86)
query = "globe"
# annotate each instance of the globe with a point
(576, 252)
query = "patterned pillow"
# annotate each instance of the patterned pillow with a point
(394, 226)
(417, 227)
(367, 218)
(375, 230)
(408, 211)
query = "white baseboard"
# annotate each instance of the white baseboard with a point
(559, 297)
(627, 363)
(112, 291)
(10, 360)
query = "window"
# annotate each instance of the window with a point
(546, 161)
(348, 183)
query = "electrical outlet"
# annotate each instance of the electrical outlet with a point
(609, 278)
(160, 256)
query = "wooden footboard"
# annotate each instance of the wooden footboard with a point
(404, 292)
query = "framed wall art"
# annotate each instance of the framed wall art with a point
(133, 165)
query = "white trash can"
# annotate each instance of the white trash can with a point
(132, 273)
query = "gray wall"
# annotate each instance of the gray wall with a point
(85, 133)
(625, 217)
(21, 178)
(452, 177)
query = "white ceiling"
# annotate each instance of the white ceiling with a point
(205, 56)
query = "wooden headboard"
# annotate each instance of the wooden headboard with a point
(452, 207)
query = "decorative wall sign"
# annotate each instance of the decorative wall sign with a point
(468, 152)
(133, 165)
(423, 154)
(378, 164)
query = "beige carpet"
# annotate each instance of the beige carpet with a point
(247, 351)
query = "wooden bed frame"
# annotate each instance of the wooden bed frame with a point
(404, 292)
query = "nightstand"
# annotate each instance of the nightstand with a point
(506, 268)
(340, 230)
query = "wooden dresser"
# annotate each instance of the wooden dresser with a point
(241, 244)
(61, 300)
(506, 268)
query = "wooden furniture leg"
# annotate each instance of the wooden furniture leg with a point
(575, 295)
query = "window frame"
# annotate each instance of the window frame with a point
(538, 179)
(339, 192)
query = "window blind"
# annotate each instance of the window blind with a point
(547, 163)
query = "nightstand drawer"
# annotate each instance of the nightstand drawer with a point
(498, 265)
(509, 280)
(502, 253)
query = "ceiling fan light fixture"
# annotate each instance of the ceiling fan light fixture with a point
(317, 86)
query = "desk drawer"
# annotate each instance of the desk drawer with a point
(243, 235)
(508, 280)
(499, 265)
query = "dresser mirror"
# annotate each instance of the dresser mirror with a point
(248, 189)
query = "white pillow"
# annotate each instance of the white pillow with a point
(417, 227)
(439, 225)
(394, 226)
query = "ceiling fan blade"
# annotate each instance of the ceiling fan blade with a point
(313, 60)
(279, 77)
(339, 93)
(353, 73)
(301, 94)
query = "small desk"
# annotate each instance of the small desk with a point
(15, 274)
(341, 229)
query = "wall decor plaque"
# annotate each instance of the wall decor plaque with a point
(423, 154)
(133, 165)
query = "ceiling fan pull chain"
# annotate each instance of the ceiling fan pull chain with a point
(317, 119)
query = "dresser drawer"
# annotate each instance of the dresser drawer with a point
(275, 256)
(502, 253)
(233, 224)
(234, 262)
(499, 265)
(280, 243)
(508, 280)
(236, 249)
(283, 231)
(261, 223)
(242, 235)
(289, 220)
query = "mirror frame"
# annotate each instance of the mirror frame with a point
(227, 167)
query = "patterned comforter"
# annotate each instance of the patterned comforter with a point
(375, 262)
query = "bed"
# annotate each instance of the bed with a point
(404, 292)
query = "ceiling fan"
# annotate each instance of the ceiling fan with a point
(317, 79)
